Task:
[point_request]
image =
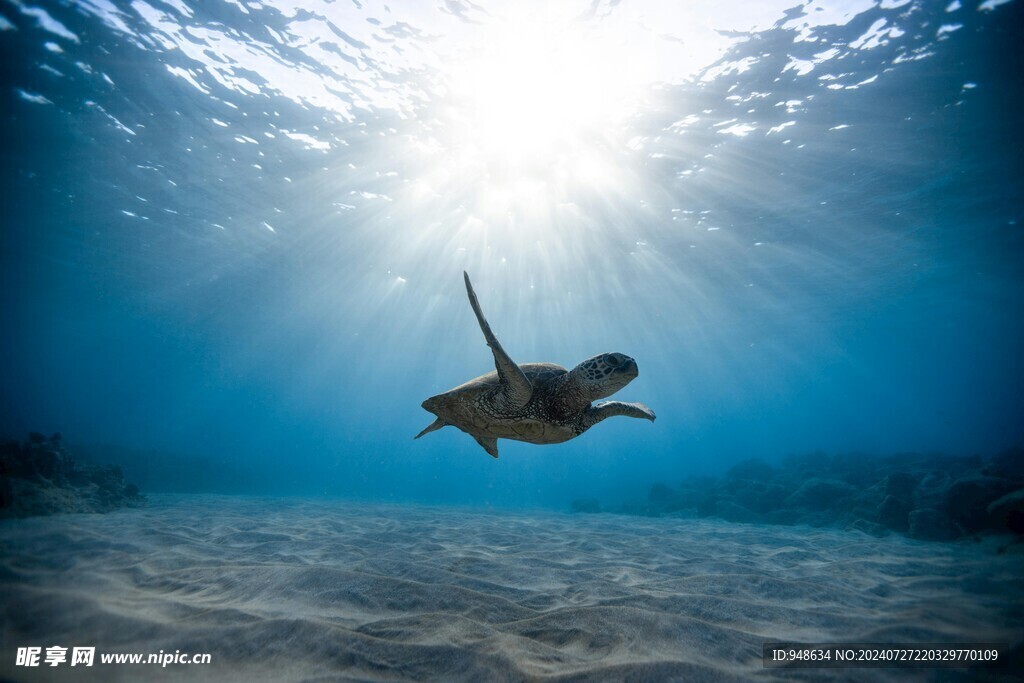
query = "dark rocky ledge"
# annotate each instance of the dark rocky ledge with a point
(925, 496)
(39, 477)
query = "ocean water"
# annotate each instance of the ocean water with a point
(231, 253)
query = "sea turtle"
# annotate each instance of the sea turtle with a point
(535, 402)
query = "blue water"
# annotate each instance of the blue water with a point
(233, 234)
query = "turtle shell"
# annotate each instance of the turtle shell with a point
(464, 408)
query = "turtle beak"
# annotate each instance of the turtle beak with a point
(628, 367)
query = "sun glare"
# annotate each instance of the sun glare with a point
(538, 91)
(526, 150)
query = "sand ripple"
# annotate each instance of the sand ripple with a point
(291, 590)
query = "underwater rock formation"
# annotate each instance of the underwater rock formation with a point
(39, 477)
(1008, 511)
(930, 497)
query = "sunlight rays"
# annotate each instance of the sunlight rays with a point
(528, 94)
(531, 121)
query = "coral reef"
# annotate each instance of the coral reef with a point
(39, 477)
(925, 496)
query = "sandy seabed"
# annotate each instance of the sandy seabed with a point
(296, 590)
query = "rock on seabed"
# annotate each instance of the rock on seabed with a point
(39, 477)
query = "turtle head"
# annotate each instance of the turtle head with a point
(603, 375)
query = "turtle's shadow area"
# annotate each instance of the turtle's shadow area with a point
(297, 590)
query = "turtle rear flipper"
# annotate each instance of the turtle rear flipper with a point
(432, 427)
(515, 388)
(489, 444)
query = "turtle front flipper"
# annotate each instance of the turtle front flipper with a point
(515, 389)
(489, 443)
(602, 411)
